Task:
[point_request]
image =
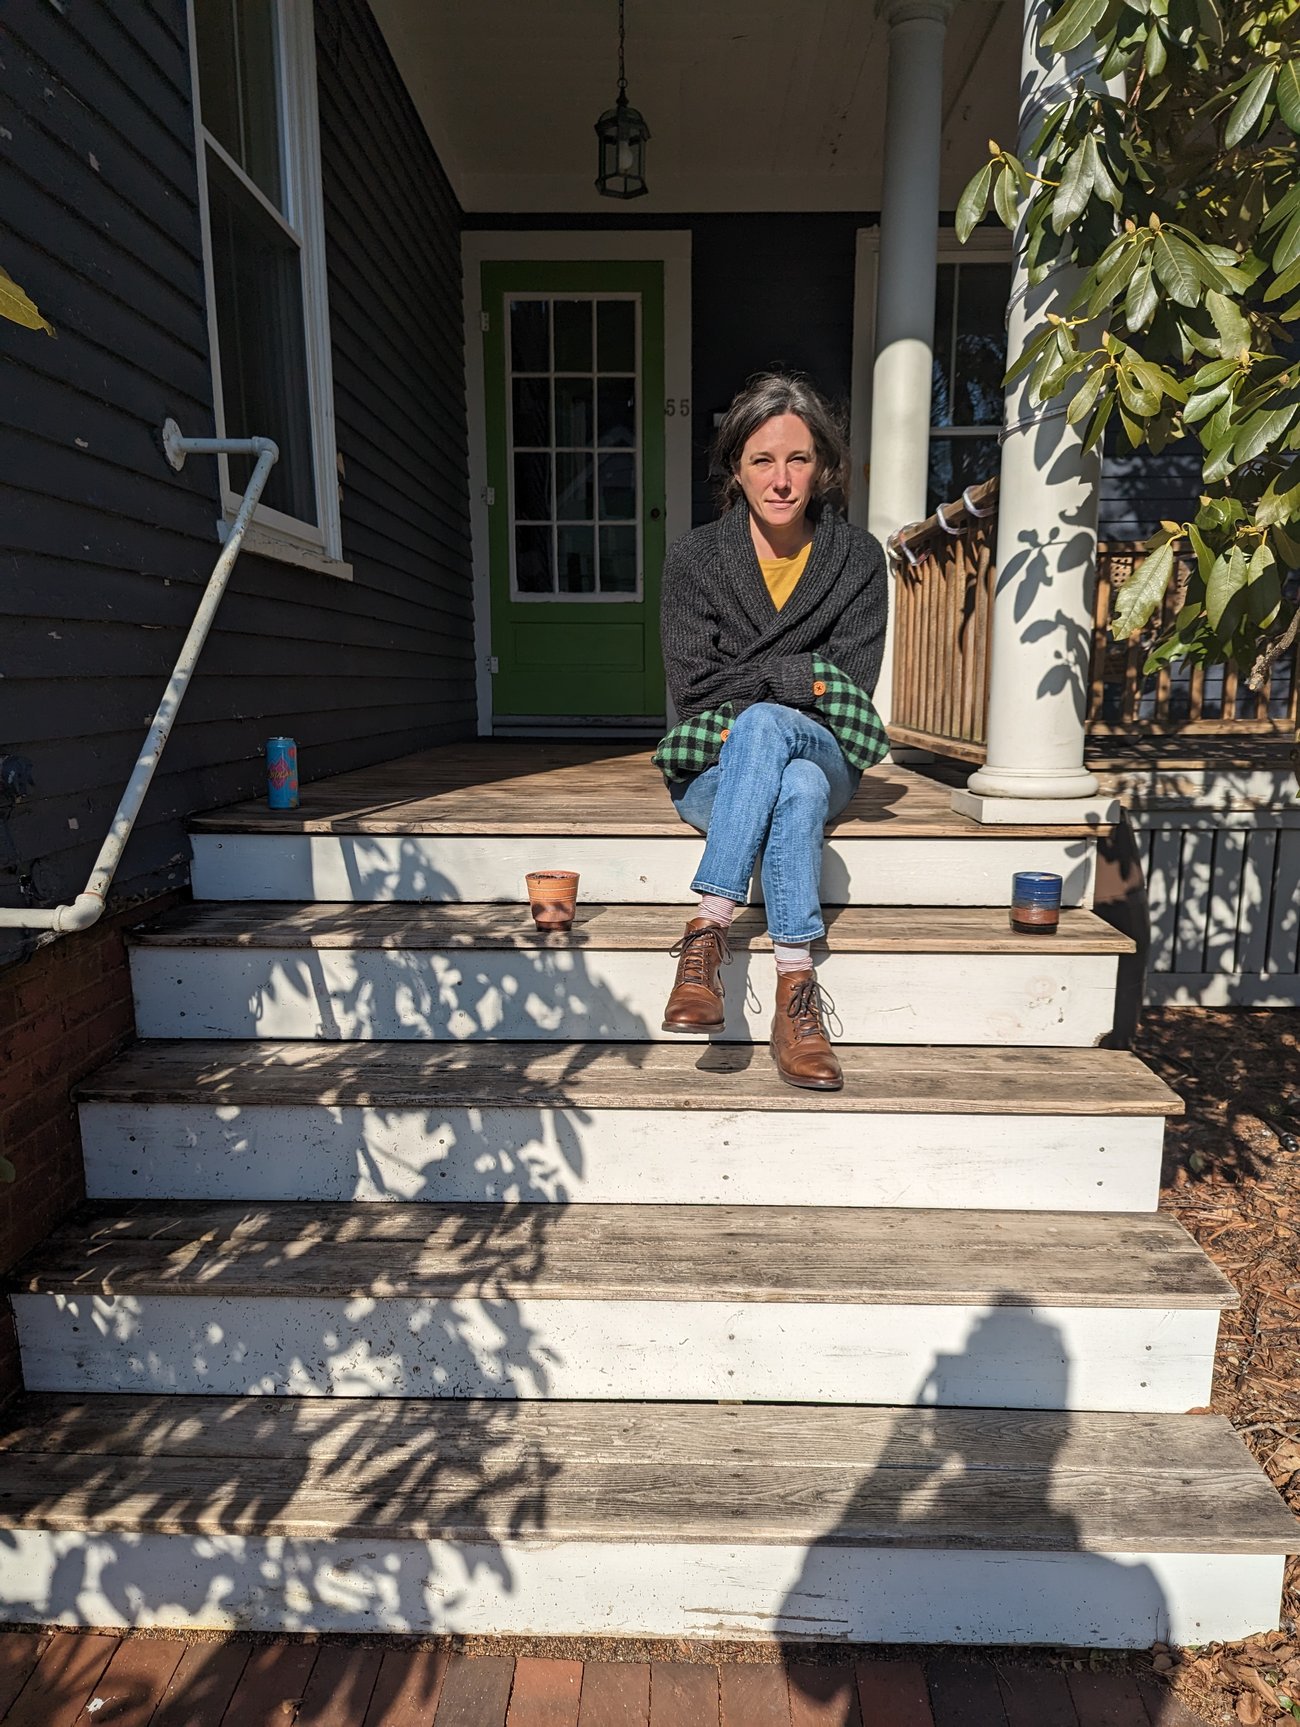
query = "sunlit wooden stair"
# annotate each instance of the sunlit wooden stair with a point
(510, 1314)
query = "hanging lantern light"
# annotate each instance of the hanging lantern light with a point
(622, 134)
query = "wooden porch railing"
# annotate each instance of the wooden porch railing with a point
(943, 588)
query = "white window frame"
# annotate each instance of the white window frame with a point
(317, 545)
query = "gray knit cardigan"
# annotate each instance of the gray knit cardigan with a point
(724, 640)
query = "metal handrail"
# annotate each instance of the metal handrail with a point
(88, 907)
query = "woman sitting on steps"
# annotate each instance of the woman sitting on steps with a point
(773, 630)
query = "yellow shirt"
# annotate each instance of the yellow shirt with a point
(781, 574)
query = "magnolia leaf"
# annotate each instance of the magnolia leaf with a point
(1133, 428)
(1005, 201)
(1117, 277)
(1203, 403)
(1104, 411)
(973, 202)
(1214, 373)
(1155, 55)
(1288, 94)
(1226, 580)
(1177, 267)
(1263, 586)
(1141, 300)
(1075, 188)
(1260, 431)
(1136, 392)
(1144, 590)
(1204, 553)
(18, 308)
(1280, 502)
(1030, 353)
(1234, 331)
(1085, 397)
(1283, 210)
(1287, 249)
(1103, 182)
(1072, 24)
(1249, 106)
(1285, 283)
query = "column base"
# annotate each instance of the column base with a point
(1037, 812)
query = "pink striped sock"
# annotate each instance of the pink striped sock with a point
(716, 909)
(791, 959)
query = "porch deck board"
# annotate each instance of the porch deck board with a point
(674, 1253)
(620, 928)
(697, 1473)
(894, 1078)
(525, 787)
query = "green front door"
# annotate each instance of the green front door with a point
(573, 367)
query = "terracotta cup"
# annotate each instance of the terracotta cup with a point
(552, 894)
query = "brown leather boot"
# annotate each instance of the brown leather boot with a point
(696, 1001)
(800, 1047)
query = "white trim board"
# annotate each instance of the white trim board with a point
(575, 994)
(490, 868)
(1008, 1162)
(849, 1594)
(672, 248)
(1148, 1359)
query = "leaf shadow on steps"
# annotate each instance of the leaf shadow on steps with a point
(332, 1415)
(980, 1485)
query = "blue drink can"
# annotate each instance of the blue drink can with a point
(281, 774)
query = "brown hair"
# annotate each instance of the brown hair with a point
(764, 396)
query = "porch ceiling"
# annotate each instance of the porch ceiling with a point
(752, 106)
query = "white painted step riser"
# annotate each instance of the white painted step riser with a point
(619, 1156)
(230, 1582)
(1141, 1359)
(481, 868)
(576, 994)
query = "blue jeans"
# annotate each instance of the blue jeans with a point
(780, 778)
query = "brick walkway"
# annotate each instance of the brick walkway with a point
(95, 1679)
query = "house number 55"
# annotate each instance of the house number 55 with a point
(678, 405)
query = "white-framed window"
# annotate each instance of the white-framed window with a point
(257, 132)
(972, 286)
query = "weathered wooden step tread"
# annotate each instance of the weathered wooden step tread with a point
(705, 1253)
(621, 928)
(568, 788)
(879, 1078)
(546, 1472)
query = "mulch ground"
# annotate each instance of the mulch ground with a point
(1232, 1177)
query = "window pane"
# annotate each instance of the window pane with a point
(982, 291)
(573, 488)
(532, 416)
(577, 560)
(573, 418)
(573, 335)
(238, 85)
(618, 560)
(956, 463)
(533, 561)
(533, 488)
(618, 488)
(257, 283)
(617, 412)
(616, 336)
(530, 336)
(945, 295)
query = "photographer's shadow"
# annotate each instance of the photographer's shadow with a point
(967, 1527)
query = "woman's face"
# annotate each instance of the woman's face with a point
(778, 470)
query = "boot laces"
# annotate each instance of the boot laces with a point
(807, 1005)
(694, 954)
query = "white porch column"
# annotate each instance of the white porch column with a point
(1047, 543)
(909, 239)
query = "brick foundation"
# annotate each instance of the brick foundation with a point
(63, 1012)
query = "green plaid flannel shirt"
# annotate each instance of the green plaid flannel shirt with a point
(695, 744)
